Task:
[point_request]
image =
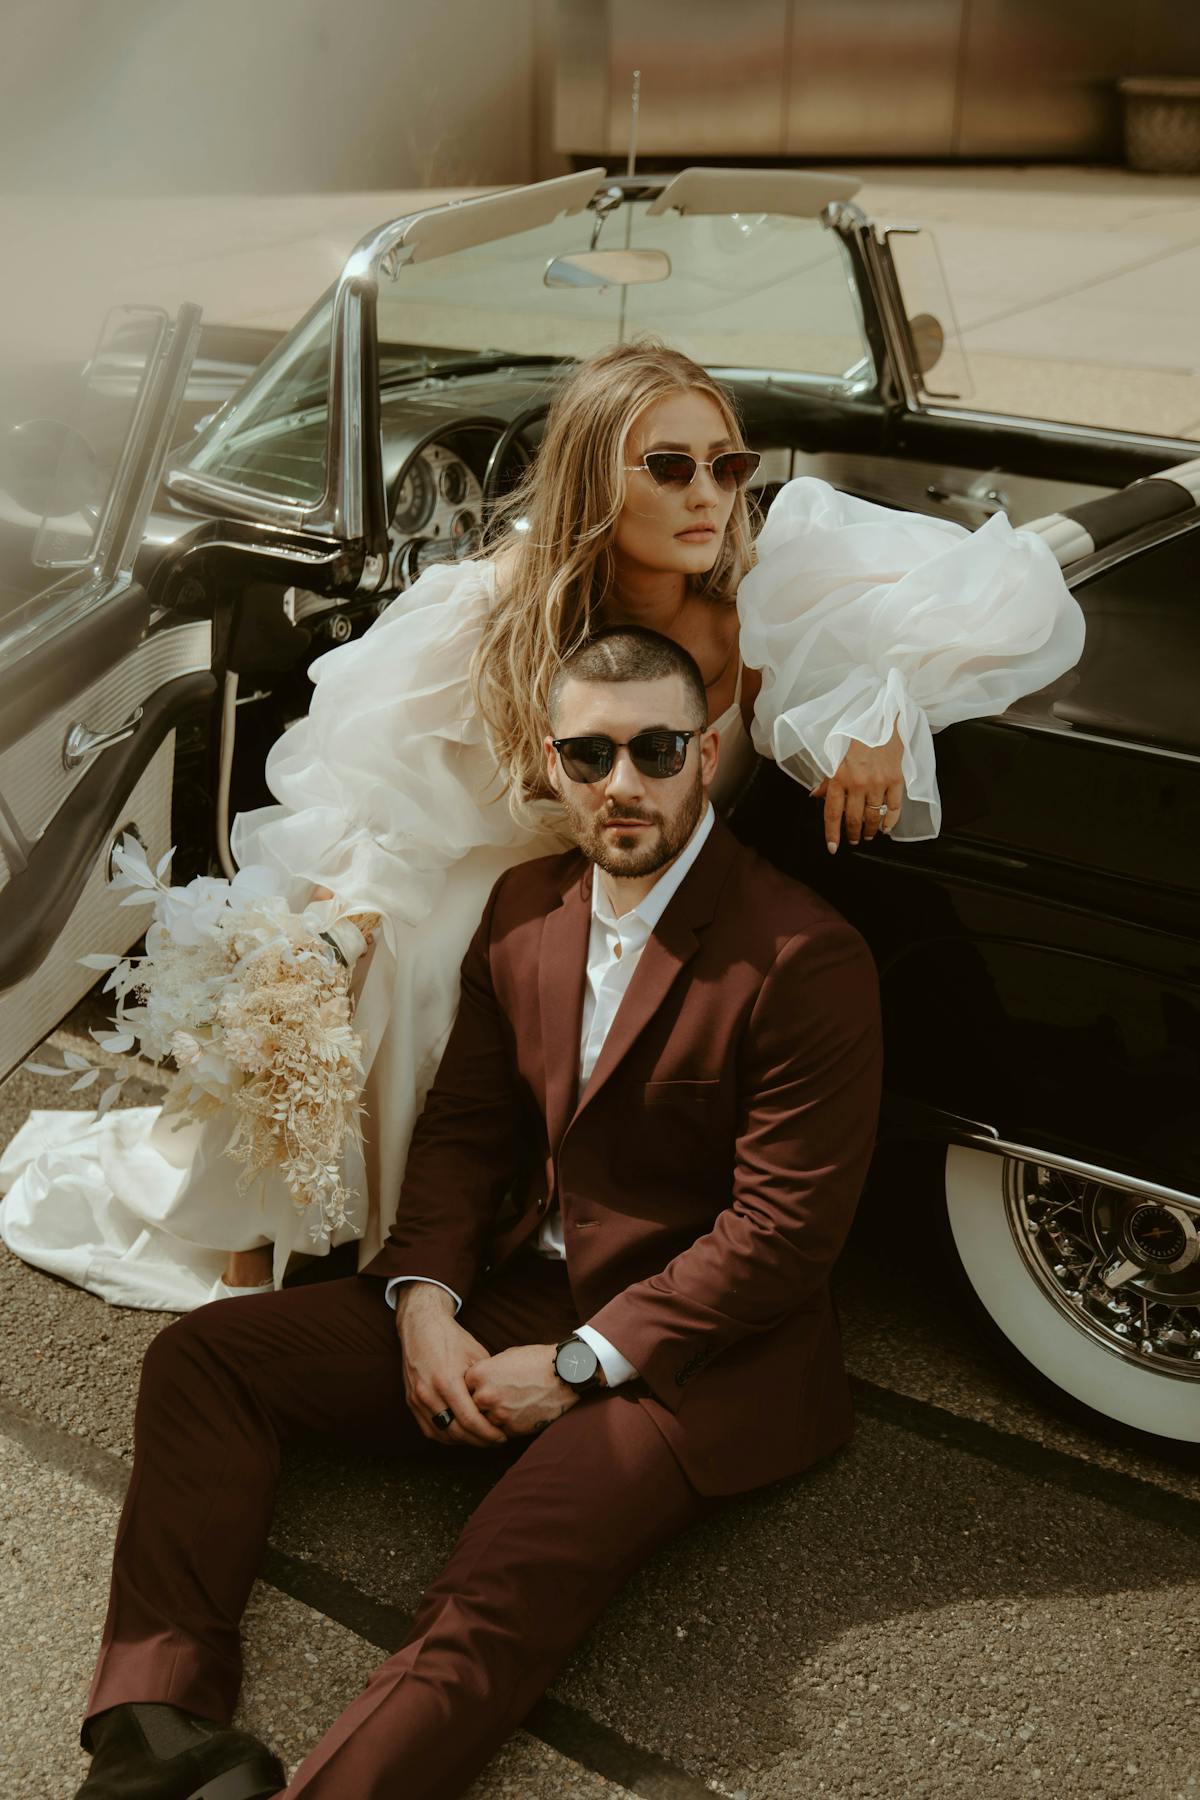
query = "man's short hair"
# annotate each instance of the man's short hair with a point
(631, 653)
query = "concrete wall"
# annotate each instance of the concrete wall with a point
(162, 97)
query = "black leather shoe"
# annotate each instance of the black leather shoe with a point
(149, 1751)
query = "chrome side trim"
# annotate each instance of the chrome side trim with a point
(1160, 532)
(1067, 730)
(1107, 434)
(1133, 1184)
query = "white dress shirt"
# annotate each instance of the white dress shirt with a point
(614, 950)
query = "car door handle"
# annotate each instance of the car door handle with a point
(985, 500)
(81, 741)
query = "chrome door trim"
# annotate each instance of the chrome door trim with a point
(150, 450)
(1161, 531)
(1105, 434)
(14, 845)
(860, 244)
(1067, 730)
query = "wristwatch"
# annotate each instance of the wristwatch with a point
(577, 1364)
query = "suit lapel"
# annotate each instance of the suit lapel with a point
(671, 947)
(562, 975)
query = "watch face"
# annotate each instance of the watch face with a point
(576, 1363)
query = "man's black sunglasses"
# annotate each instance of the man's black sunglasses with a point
(657, 754)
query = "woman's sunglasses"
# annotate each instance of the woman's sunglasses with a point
(657, 754)
(675, 468)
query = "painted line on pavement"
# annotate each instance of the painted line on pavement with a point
(566, 1729)
(569, 1730)
(1009, 1450)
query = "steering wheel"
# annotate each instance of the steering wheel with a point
(502, 450)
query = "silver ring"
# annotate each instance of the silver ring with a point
(442, 1421)
(882, 810)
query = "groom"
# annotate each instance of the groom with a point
(611, 1253)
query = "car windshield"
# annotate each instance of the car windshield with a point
(745, 291)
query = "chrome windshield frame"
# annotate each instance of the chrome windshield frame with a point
(352, 507)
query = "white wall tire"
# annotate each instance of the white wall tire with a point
(1111, 1382)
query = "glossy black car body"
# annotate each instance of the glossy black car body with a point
(1039, 960)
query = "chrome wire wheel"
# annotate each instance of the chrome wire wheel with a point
(1095, 1286)
(1124, 1267)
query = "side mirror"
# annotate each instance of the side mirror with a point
(607, 268)
(928, 340)
(50, 469)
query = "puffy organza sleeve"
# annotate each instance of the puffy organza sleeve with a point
(389, 779)
(862, 619)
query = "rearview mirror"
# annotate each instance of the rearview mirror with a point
(607, 268)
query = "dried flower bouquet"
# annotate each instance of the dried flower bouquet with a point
(252, 1001)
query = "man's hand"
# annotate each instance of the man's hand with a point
(437, 1354)
(867, 780)
(519, 1390)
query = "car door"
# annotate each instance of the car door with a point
(94, 679)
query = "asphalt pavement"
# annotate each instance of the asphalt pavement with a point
(976, 1594)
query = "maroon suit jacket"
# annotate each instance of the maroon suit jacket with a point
(709, 1175)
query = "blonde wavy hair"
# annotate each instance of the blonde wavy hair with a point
(558, 568)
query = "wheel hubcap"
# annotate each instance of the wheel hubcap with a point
(1123, 1268)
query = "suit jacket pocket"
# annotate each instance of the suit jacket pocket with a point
(675, 1093)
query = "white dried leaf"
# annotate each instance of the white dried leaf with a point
(73, 1060)
(85, 1081)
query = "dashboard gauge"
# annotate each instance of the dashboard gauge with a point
(464, 533)
(417, 497)
(454, 484)
(422, 554)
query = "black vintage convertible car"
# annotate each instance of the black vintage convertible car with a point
(1040, 960)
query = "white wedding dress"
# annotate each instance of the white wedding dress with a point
(859, 618)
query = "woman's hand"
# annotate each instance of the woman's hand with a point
(367, 924)
(867, 781)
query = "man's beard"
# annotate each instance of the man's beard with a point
(640, 854)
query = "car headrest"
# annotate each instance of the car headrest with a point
(1093, 524)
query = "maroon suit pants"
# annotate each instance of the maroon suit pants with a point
(567, 1522)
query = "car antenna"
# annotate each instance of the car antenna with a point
(635, 100)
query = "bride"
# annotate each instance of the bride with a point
(837, 645)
